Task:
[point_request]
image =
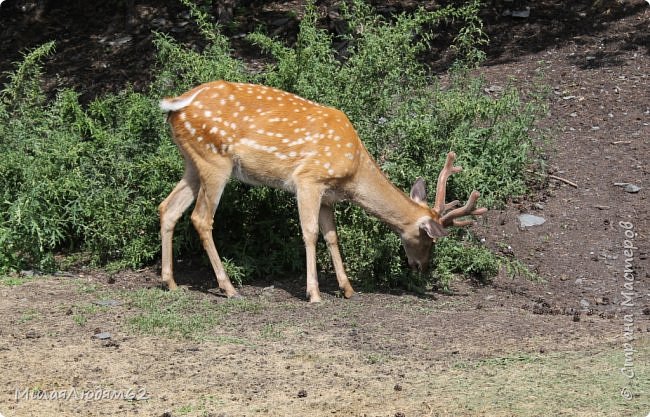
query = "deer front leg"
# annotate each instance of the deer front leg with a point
(203, 218)
(309, 197)
(171, 209)
(328, 228)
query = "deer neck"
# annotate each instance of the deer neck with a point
(373, 191)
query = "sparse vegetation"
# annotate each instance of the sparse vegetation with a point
(173, 314)
(29, 315)
(179, 313)
(82, 312)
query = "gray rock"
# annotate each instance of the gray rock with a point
(529, 220)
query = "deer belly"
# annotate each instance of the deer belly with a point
(262, 172)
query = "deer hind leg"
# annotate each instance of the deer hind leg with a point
(309, 197)
(171, 209)
(207, 201)
(328, 228)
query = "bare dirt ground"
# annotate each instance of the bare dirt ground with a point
(513, 347)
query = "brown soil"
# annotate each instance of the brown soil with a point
(594, 56)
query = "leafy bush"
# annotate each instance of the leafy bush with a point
(80, 179)
(90, 179)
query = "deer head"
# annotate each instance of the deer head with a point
(418, 239)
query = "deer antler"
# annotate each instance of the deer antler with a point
(449, 218)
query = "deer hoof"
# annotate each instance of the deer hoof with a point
(353, 297)
(314, 298)
(349, 293)
(235, 296)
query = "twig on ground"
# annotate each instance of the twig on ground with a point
(555, 177)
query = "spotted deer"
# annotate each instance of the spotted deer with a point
(264, 136)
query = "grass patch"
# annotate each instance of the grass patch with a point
(86, 287)
(272, 331)
(374, 358)
(81, 313)
(170, 313)
(29, 315)
(180, 314)
(201, 407)
(15, 280)
(586, 383)
(241, 305)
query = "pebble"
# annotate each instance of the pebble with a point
(529, 220)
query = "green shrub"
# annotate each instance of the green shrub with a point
(81, 179)
(90, 179)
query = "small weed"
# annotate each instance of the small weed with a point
(185, 409)
(203, 407)
(81, 313)
(374, 358)
(271, 331)
(29, 315)
(86, 287)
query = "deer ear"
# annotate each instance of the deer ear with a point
(433, 230)
(419, 191)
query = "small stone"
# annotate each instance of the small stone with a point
(102, 336)
(631, 188)
(584, 303)
(302, 393)
(397, 387)
(524, 13)
(602, 300)
(493, 89)
(529, 220)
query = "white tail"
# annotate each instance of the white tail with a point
(262, 135)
